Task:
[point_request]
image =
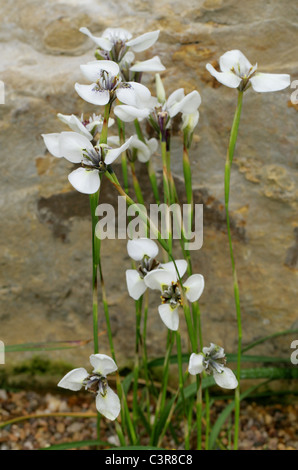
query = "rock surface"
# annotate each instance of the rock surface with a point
(45, 278)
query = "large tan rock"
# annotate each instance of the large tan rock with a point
(45, 236)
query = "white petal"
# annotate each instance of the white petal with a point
(71, 146)
(109, 405)
(52, 143)
(130, 113)
(190, 120)
(135, 284)
(93, 94)
(152, 144)
(226, 78)
(103, 43)
(196, 365)
(265, 82)
(175, 97)
(103, 364)
(235, 59)
(151, 65)
(93, 70)
(75, 124)
(226, 379)
(133, 94)
(181, 265)
(73, 380)
(169, 316)
(112, 154)
(140, 247)
(85, 181)
(194, 287)
(143, 42)
(158, 278)
(188, 105)
(143, 152)
(117, 34)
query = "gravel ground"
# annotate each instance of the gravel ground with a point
(263, 427)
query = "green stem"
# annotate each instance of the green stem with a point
(229, 160)
(150, 169)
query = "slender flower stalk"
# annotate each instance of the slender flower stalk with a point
(229, 160)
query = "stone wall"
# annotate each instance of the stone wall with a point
(45, 274)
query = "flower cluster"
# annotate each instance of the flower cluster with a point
(114, 78)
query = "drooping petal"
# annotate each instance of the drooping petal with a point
(103, 364)
(236, 60)
(85, 181)
(112, 154)
(108, 405)
(140, 247)
(73, 380)
(169, 316)
(266, 82)
(93, 94)
(225, 379)
(102, 42)
(158, 278)
(135, 284)
(71, 146)
(226, 78)
(194, 286)
(52, 143)
(196, 364)
(143, 42)
(130, 113)
(150, 65)
(93, 69)
(181, 265)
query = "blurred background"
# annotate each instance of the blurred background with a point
(45, 244)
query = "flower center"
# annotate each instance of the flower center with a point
(94, 160)
(214, 361)
(107, 81)
(96, 383)
(147, 265)
(171, 295)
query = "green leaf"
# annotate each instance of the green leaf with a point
(266, 338)
(46, 346)
(76, 445)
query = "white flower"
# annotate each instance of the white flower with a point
(213, 361)
(107, 84)
(165, 279)
(144, 251)
(237, 72)
(77, 148)
(115, 42)
(160, 110)
(107, 402)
